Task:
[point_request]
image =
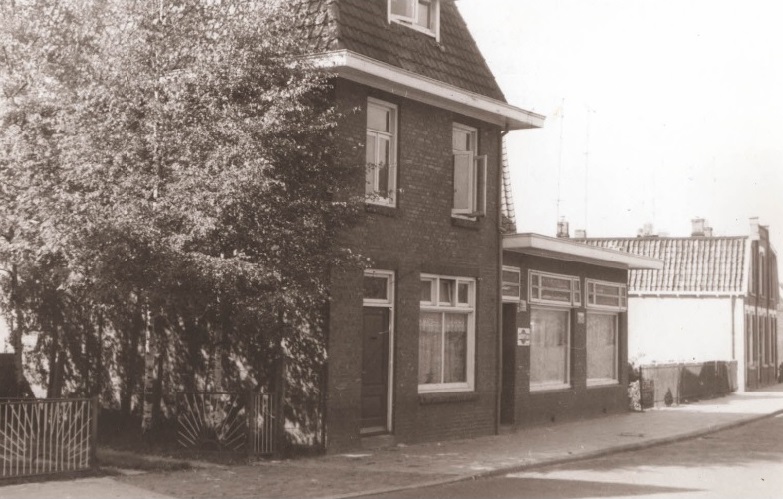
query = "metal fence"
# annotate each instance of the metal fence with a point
(226, 421)
(39, 437)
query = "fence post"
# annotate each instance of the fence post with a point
(252, 418)
(94, 409)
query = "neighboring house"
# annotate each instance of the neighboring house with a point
(715, 300)
(565, 313)
(413, 343)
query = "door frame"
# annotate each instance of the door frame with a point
(388, 303)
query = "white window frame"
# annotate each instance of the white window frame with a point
(616, 379)
(511, 298)
(387, 303)
(466, 308)
(590, 298)
(411, 21)
(477, 176)
(374, 197)
(546, 386)
(576, 290)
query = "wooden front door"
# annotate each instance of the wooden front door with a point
(375, 369)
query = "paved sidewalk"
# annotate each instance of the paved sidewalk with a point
(400, 467)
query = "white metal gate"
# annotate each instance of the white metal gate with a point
(47, 436)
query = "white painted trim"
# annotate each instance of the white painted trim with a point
(506, 298)
(391, 201)
(564, 249)
(383, 76)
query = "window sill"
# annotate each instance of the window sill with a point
(381, 209)
(446, 398)
(465, 223)
(602, 383)
(549, 388)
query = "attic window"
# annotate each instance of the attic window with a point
(421, 15)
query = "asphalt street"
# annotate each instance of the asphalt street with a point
(742, 462)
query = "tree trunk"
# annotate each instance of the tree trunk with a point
(150, 356)
(17, 326)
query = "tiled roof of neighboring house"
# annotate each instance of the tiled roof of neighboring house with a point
(507, 197)
(362, 26)
(690, 264)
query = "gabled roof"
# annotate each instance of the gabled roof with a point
(362, 27)
(507, 196)
(691, 265)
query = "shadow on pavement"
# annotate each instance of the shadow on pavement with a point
(521, 488)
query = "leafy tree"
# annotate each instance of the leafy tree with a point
(172, 183)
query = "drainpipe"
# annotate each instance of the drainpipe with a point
(499, 370)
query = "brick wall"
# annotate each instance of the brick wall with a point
(578, 401)
(419, 236)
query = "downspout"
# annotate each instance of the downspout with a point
(499, 367)
(733, 328)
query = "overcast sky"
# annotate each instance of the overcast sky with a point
(657, 111)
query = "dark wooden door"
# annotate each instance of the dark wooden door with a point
(375, 369)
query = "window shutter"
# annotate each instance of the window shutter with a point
(481, 185)
(462, 183)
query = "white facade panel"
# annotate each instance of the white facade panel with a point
(682, 329)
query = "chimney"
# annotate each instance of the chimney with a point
(698, 227)
(754, 228)
(645, 231)
(580, 234)
(562, 229)
(707, 231)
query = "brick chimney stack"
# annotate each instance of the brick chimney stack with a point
(562, 229)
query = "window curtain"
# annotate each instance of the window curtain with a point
(549, 346)
(430, 348)
(601, 346)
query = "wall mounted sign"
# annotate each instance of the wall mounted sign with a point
(523, 336)
(522, 306)
(580, 317)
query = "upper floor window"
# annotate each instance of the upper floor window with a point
(555, 289)
(422, 15)
(606, 295)
(381, 177)
(470, 173)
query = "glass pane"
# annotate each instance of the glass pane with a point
(511, 290)
(612, 301)
(556, 282)
(402, 7)
(603, 289)
(426, 291)
(369, 186)
(378, 118)
(601, 346)
(455, 348)
(376, 288)
(548, 346)
(425, 15)
(383, 180)
(511, 276)
(447, 291)
(463, 294)
(430, 345)
(462, 191)
(555, 295)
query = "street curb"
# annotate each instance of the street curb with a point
(563, 460)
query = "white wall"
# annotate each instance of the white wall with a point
(681, 329)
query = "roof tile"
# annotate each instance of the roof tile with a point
(690, 265)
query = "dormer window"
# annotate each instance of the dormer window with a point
(421, 15)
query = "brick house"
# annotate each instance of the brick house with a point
(716, 299)
(413, 342)
(565, 329)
